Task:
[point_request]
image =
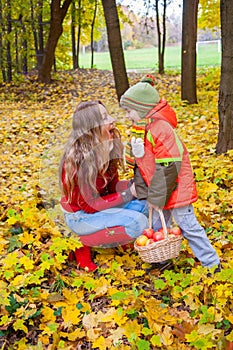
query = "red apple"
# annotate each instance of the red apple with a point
(161, 230)
(176, 231)
(148, 232)
(158, 236)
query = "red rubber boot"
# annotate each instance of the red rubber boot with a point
(83, 258)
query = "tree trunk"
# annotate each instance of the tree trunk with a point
(92, 34)
(73, 27)
(161, 35)
(25, 49)
(164, 36)
(34, 32)
(57, 16)
(1, 48)
(40, 34)
(8, 45)
(225, 102)
(1, 45)
(189, 39)
(79, 30)
(115, 46)
(16, 50)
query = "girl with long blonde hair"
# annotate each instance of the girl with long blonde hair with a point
(101, 209)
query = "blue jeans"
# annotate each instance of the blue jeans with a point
(132, 215)
(192, 231)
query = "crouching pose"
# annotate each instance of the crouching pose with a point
(98, 207)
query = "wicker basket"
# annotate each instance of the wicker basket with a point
(163, 250)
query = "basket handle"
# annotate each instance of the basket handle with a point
(161, 218)
(150, 216)
(163, 223)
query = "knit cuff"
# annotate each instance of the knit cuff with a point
(127, 196)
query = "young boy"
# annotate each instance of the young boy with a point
(162, 170)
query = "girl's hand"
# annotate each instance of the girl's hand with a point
(137, 147)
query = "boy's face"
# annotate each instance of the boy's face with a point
(132, 114)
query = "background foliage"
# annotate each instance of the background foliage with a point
(24, 28)
(46, 301)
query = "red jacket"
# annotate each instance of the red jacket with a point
(109, 195)
(165, 167)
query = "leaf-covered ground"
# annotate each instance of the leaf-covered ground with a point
(46, 302)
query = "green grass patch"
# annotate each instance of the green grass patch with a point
(141, 59)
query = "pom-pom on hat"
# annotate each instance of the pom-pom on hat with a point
(142, 96)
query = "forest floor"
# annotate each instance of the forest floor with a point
(49, 303)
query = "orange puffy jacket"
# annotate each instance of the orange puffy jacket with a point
(164, 174)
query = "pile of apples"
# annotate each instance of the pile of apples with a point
(149, 236)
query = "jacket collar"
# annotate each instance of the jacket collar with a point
(163, 111)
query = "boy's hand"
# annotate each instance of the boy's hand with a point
(137, 147)
(133, 190)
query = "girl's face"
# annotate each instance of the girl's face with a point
(107, 126)
(132, 114)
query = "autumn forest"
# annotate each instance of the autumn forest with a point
(47, 301)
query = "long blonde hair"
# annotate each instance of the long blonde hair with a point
(87, 152)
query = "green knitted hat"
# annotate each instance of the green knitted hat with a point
(141, 97)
